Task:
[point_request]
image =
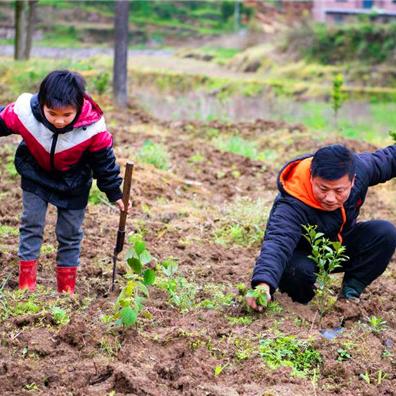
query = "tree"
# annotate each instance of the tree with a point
(24, 25)
(120, 87)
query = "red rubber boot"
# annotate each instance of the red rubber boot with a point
(27, 274)
(66, 278)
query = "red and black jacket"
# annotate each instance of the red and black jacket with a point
(58, 165)
(295, 206)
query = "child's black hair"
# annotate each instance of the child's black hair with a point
(333, 162)
(62, 88)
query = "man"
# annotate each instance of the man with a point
(326, 190)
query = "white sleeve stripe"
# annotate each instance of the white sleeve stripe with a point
(44, 136)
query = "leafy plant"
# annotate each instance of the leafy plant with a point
(60, 316)
(154, 154)
(259, 294)
(376, 324)
(181, 292)
(392, 134)
(219, 369)
(343, 354)
(132, 296)
(217, 297)
(290, 352)
(327, 256)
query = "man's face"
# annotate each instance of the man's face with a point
(61, 117)
(331, 194)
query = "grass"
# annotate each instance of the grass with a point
(6, 231)
(154, 154)
(242, 222)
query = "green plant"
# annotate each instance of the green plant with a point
(196, 158)
(181, 292)
(154, 154)
(219, 369)
(338, 97)
(60, 316)
(237, 145)
(365, 377)
(32, 387)
(243, 348)
(132, 296)
(290, 352)
(242, 222)
(376, 324)
(259, 294)
(217, 297)
(327, 256)
(343, 354)
(392, 134)
(101, 82)
(8, 230)
(96, 196)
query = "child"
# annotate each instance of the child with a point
(65, 143)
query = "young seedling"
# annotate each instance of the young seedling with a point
(327, 256)
(181, 292)
(343, 355)
(260, 294)
(131, 299)
(376, 324)
(60, 316)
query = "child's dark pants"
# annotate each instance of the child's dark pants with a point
(68, 231)
(369, 245)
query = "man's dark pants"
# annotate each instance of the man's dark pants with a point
(369, 246)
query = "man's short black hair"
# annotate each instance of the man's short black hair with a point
(333, 162)
(62, 88)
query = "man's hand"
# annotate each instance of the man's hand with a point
(121, 206)
(251, 301)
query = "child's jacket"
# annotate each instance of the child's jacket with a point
(58, 165)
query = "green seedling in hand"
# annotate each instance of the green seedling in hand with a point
(260, 294)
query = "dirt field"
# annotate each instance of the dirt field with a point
(208, 349)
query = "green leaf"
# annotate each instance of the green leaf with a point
(149, 277)
(140, 247)
(128, 316)
(135, 264)
(145, 257)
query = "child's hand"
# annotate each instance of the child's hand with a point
(121, 206)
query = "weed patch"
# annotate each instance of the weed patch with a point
(154, 154)
(288, 351)
(242, 222)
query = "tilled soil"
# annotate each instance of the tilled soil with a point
(171, 352)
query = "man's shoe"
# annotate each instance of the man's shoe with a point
(66, 279)
(27, 274)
